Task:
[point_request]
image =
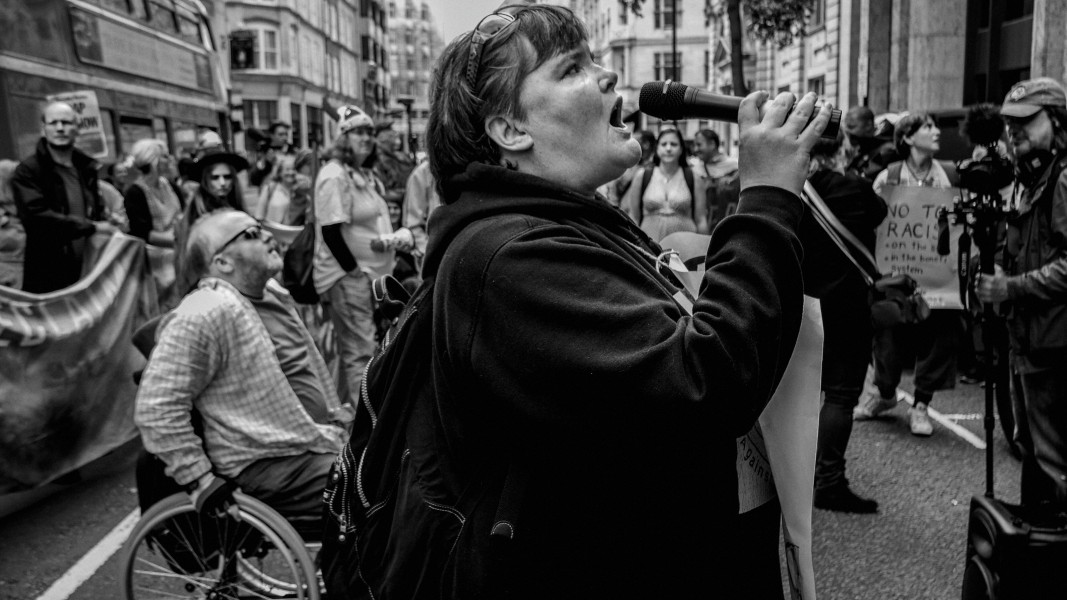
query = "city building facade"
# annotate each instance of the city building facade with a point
(307, 57)
(639, 48)
(414, 45)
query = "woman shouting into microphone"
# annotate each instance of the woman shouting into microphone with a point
(566, 361)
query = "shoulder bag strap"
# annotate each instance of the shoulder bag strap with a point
(840, 235)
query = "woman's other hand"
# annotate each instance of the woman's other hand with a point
(775, 149)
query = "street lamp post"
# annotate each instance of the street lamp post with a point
(407, 101)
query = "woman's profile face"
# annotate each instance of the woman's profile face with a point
(220, 180)
(927, 138)
(669, 149)
(574, 120)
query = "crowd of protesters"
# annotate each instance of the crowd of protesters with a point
(369, 203)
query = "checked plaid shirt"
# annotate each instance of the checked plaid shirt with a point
(214, 353)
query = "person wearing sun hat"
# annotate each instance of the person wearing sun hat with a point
(1031, 282)
(215, 172)
(354, 240)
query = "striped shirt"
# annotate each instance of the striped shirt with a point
(215, 354)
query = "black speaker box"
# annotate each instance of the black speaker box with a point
(1015, 552)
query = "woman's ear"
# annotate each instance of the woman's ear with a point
(507, 135)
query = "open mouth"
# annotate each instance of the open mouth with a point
(615, 119)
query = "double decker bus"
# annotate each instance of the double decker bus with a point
(133, 69)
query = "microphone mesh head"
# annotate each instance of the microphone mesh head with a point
(666, 105)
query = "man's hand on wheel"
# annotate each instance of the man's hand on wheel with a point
(212, 494)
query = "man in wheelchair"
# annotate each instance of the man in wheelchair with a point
(235, 353)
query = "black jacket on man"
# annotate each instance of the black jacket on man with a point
(560, 351)
(51, 261)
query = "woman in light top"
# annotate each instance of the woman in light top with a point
(275, 198)
(153, 205)
(669, 199)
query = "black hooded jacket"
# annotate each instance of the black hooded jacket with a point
(51, 262)
(560, 351)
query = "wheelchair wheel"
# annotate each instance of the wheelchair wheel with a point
(251, 552)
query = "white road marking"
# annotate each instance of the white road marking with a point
(93, 560)
(945, 422)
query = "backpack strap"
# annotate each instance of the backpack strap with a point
(893, 173)
(390, 295)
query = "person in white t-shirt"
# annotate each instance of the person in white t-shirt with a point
(355, 242)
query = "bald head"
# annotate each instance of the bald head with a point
(208, 236)
(60, 125)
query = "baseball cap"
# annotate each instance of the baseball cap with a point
(1027, 97)
(350, 117)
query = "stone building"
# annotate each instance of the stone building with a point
(414, 45)
(307, 56)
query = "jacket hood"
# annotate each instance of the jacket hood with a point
(485, 190)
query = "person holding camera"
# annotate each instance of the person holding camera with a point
(934, 340)
(1033, 282)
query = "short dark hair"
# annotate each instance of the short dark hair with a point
(710, 136)
(276, 124)
(681, 142)
(907, 126)
(456, 135)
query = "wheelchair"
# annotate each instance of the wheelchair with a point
(250, 551)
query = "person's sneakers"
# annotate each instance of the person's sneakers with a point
(843, 499)
(872, 406)
(920, 420)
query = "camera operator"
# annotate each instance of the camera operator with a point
(1034, 282)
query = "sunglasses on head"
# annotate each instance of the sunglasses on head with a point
(486, 29)
(252, 232)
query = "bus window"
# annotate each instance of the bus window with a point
(132, 129)
(120, 6)
(161, 16)
(159, 126)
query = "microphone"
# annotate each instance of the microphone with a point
(670, 101)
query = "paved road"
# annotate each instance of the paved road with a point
(913, 549)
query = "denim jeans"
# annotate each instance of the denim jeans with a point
(350, 307)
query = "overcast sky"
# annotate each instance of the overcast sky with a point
(454, 17)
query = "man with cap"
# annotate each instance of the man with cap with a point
(354, 240)
(869, 152)
(59, 203)
(1032, 282)
(236, 352)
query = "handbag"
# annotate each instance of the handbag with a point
(895, 299)
(298, 267)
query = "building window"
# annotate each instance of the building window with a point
(1018, 9)
(295, 111)
(707, 67)
(294, 49)
(260, 113)
(663, 14)
(266, 49)
(817, 85)
(818, 14)
(664, 67)
(161, 16)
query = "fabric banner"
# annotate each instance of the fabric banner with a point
(907, 242)
(66, 366)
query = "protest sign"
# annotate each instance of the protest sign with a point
(907, 242)
(91, 137)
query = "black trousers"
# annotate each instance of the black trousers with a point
(846, 353)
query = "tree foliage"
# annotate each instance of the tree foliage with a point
(778, 21)
(771, 21)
